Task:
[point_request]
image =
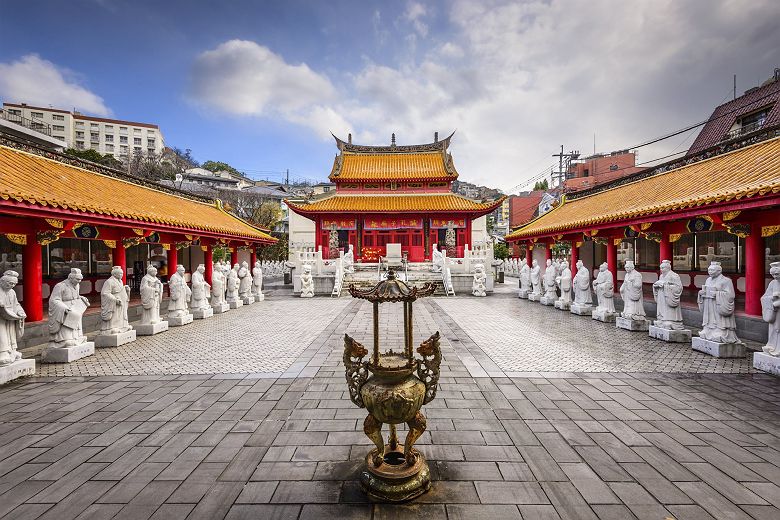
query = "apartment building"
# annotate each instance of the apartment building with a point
(107, 136)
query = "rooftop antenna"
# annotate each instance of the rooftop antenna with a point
(349, 138)
(436, 137)
(735, 86)
(392, 140)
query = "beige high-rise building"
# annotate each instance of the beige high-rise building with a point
(107, 136)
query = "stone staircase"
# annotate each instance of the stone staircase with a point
(365, 277)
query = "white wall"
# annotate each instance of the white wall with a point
(479, 232)
(301, 229)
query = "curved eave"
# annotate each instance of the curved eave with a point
(479, 210)
(341, 180)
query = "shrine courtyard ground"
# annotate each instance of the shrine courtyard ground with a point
(540, 415)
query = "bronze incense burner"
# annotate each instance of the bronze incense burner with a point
(393, 386)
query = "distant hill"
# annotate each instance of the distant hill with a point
(473, 191)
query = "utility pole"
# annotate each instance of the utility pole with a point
(564, 161)
(287, 178)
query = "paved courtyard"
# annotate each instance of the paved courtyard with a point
(539, 415)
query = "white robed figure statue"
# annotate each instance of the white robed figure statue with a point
(581, 284)
(180, 294)
(667, 292)
(257, 280)
(200, 289)
(536, 278)
(605, 289)
(217, 285)
(348, 262)
(525, 278)
(564, 282)
(151, 297)
(232, 284)
(631, 292)
(438, 259)
(114, 299)
(12, 318)
(770, 307)
(549, 280)
(66, 308)
(245, 281)
(716, 303)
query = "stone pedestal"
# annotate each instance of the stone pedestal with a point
(248, 300)
(632, 325)
(670, 335)
(180, 321)
(603, 315)
(548, 300)
(533, 297)
(236, 304)
(220, 308)
(562, 305)
(523, 293)
(17, 369)
(151, 329)
(114, 340)
(202, 314)
(721, 350)
(259, 297)
(581, 309)
(67, 354)
(766, 363)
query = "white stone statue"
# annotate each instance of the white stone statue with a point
(604, 288)
(307, 282)
(151, 298)
(550, 293)
(525, 281)
(232, 286)
(12, 318)
(583, 298)
(480, 279)
(114, 299)
(257, 282)
(245, 284)
(564, 282)
(200, 290)
(225, 269)
(178, 308)
(438, 259)
(667, 292)
(348, 262)
(66, 308)
(536, 281)
(716, 303)
(631, 292)
(770, 307)
(217, 285)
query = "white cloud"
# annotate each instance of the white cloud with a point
(36, 81)
(415, 12)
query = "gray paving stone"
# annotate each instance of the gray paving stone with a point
(510, 493)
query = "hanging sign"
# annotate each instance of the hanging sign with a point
(698, 225)
(85, 231)
(439, 223)
(342, 223)
(393, 223)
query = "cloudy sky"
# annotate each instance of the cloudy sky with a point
(262, 84)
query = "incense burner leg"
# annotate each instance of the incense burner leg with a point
(373, 430)
(416, 428)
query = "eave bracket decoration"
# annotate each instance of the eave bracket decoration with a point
(655, 236)
(17, 238)
(111, 244)
(131, 241)
(45, 238)
(740, 230)
(730, 215)
(183, 244)
(645, 226)
(55, 222)
(768, 231)
(674, 237)
(139, 232)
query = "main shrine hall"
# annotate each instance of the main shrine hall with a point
(391, 194)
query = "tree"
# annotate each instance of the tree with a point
(256, 208)
(95, 157)
(542, 185)
(277, 251)
(219, 166)
(500, 251)
(164, 166)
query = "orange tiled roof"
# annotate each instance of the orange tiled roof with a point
(743, 173)
(39, 181)
(427, 166)
(404, 203)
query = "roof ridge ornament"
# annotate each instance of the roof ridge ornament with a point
(436, 146)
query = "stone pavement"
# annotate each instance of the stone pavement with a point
(546, 444)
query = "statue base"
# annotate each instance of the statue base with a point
(581, 309)
(720, 350)
(248, 300)
(670, 335)
(180, 320)
(562, 305)
(236, 304)
(533, 297)
(632, 325)
(202, 314)
(67, 354)
(523, 293)
(307, 295)
(478, 294)
(766, 363)
(150, 329)
(603, 315)
(17, 369)
(394, 481)
(548, 300)
(114, 340)
(259, 297)
(219, 308)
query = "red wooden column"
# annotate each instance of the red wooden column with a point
(547, 252)
(234, 257)
(252, 257)
(666, 247)
(575, 254)
(318, 235)
(173, 259)
(754, 271)
(208, 263)
(32, 279)
(612, 263)
(529, 254)
(119, 256)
